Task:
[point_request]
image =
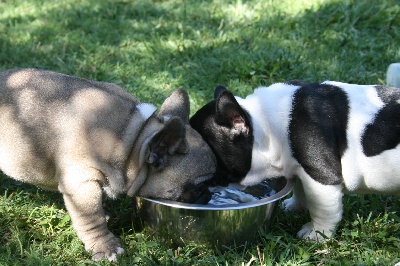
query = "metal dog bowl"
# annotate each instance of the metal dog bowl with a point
(215, 226)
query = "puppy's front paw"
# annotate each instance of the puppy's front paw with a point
(309, 232)
(292, 205)
(108, 250)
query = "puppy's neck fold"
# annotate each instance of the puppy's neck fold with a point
(125, 160)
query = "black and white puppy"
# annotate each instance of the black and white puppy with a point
(334, 137)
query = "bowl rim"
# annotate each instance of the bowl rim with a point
(180, 205)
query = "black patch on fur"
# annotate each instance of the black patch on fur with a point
(317, 131)
(218, 90)
(388, 94)
(384, 132)
(233, 152)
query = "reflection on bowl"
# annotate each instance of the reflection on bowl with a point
(212, 225)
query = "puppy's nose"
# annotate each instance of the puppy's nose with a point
(204, 198)
(196, 194)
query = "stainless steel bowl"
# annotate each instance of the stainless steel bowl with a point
(215, 226)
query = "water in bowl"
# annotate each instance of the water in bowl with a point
(235, 194)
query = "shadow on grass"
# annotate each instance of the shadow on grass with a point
(201, 44)
(9, 186)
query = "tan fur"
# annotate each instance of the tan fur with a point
(84, 138)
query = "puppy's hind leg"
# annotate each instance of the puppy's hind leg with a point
(83, 195)
(298, 201)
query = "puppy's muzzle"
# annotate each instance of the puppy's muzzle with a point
(196, 193)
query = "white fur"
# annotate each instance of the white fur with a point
(271, 156)
(324, 204)
(113, 257)
(376, 174)
(146, 110)
(270, 107)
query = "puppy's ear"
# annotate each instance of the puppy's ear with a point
(177, 104)
(231, 115)
(218, 91)
(168, 141)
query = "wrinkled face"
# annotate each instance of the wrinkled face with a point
(183, 176)
(179, 161)
(227, 129)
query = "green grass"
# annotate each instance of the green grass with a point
(153, 47)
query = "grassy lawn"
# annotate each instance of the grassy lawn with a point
(153, 47)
